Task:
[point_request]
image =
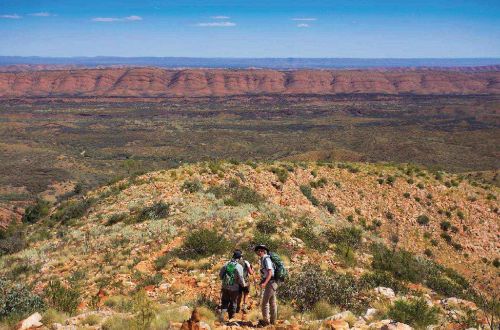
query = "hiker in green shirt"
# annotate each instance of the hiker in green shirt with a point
(232, 278)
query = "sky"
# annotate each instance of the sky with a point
(251, 28)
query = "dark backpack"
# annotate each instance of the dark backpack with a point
(229, 274)
(280, 272)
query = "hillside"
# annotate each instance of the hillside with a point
(156, 82)
(168, 233)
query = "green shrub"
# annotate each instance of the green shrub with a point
(156, 211)
(347, 236)
(402, 264)
(191, 186)
(390, 180)
(118, 323)
(406, 195)
(267, 225)
(203, 243)
(33, 213)
(116, 218)
(319, 183)
(428, 252)
(423, 220)
(310, 238)
(460, 215)
(307, 192)
(72, 210)
(17, 302)
(446, 237)
(281, 173)
(445, 225)
(12, 239)
(330, 207)
(420, 185)
(371, 280)
(322, 309)
(496, 262)
(414, 312)
(162, 261)
(236, 194)
(306, 288)
(62, 298)
(346, 255)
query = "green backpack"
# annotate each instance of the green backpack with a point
(280, 272)
(229, 274)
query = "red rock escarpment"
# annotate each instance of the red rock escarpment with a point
(155, 82)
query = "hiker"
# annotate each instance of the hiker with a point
(232, 278)
(244, 290)
(269, 285)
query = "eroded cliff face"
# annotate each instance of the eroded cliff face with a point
(155, 82)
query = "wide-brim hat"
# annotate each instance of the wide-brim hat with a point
(261, 247)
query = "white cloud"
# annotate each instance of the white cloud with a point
(14, 16)
(217, 24)
(303, 25)
(133, 18)
(220, 17)
(117, 19)
(42, 14)
(305, 19)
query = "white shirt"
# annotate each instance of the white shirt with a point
(266, 266)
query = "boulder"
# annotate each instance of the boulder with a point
(396, 326)
(32, 321)
(386, 292)
(370, 314)
(336, 325)
(346, 315)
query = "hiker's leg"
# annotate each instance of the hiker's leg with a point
(272, 302)
(224, 304)
(265, 302)
(240, 294)
(233, 304)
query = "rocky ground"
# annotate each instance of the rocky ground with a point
(131, 248)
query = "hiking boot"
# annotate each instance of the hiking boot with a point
(263, 323)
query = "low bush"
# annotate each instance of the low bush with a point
(236, 194)
(403, 265)
(33, 213)
(415, 313)
(191, 186)
(347, 236)
(162, 261)
(423, 220)
(17, 302)
(281, 173)
(306, 288)
(310, 238)
(12, 239)
(267, 225)
(371, 280)
(330, 207)
(445, 225)
(62, 298)
(322, 309)
(307, 192)
(116, 218)
(72, 210)
(203, 243)
(156, 211)
(318, 183)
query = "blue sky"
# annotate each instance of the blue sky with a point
(250, 28)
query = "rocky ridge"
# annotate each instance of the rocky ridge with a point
(121, 255)
(157, 82)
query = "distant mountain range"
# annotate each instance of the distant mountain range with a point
(162, 82)
(238, 63)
